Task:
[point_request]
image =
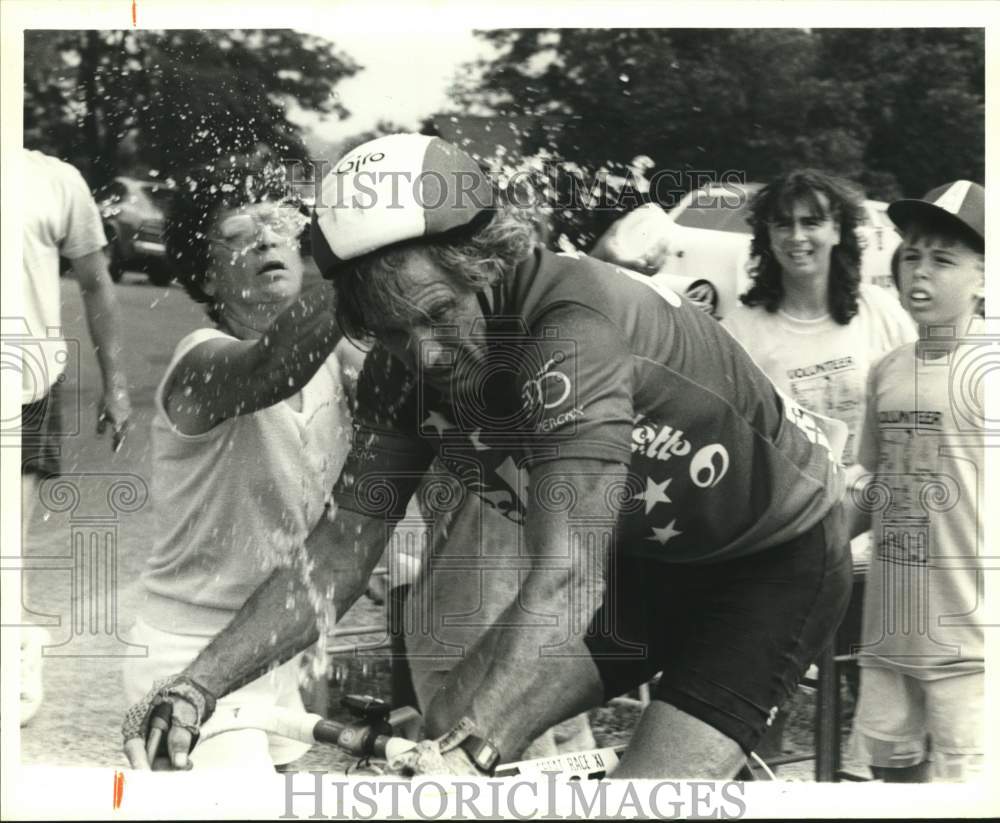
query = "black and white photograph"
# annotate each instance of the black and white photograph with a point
(437, 411)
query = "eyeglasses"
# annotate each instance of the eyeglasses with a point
(241, 232)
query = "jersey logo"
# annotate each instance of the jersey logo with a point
(709, 465)
(548, 388)
(661, 444)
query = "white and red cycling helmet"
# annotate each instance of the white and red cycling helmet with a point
(395, 189)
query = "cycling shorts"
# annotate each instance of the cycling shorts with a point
(732, 639)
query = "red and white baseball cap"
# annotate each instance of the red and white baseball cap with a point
(962, 203)
(394, 189)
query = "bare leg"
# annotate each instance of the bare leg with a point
(32, 638)
(671, 744)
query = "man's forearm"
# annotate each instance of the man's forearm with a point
(513, 684)
(517, 686)
(286, 612)
(279, 620)
(264, 632)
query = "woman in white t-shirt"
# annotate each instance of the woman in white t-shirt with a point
(251, 428)
(810, 323)
(807, 319)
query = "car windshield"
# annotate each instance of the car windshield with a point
(717, 210)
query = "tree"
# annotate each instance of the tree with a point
(164, 100)
(700, 104)
(923, 101)
(896, 110)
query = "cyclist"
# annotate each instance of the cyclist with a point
(679, 515)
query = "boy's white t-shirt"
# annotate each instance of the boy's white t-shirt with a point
(821, 364)
(924, 436)
(233, 502)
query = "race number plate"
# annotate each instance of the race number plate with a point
(589, 765)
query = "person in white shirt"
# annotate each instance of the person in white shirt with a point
(812, 325)
(921, 464)
(60, 219)
(807, 319)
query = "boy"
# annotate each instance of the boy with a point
(922, 638)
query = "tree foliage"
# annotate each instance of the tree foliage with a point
(165, 100)
(897, 110)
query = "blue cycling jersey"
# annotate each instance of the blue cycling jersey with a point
(588, 361)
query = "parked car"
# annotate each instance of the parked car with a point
(134, 215)
(701, 247)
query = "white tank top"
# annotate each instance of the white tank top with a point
(231, 502)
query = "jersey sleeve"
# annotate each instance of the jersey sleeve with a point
(84, 232)
(742, 324)
(388, 458)
(576, 382)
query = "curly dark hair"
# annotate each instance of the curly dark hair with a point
(199, 197)
(368, 291)
(843, 204)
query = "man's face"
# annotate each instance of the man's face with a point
(939, 282)
(434, 335)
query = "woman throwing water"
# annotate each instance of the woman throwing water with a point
(251, 428)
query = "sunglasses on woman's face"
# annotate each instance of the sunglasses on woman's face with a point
(242, 231)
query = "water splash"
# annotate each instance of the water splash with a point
(288, 549)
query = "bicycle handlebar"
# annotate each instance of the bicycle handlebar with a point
(361, 740)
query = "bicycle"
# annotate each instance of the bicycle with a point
(379, 732)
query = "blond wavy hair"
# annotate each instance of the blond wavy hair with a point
(369, 289)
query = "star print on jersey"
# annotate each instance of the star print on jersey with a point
(655, 493)
(664, 535)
